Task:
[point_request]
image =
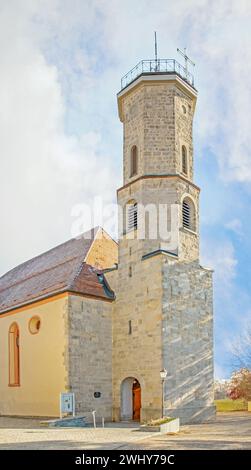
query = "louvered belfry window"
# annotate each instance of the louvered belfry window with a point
(188, 214)
(132, 218)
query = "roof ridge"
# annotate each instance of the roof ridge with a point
(37, 274)
(98, 228)
(100, 275)
(105, 231)
(92, 230)
(62, 268)
(76, 273)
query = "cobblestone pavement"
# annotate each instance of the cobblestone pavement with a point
(229, 431)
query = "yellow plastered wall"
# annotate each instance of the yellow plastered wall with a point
(43, 363)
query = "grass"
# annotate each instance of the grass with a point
(230, 405)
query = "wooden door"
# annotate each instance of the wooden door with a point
(136, 394)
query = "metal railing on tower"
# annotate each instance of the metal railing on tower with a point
(157, 66)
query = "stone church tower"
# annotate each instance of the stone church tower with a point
(122, 316)
(163, 315)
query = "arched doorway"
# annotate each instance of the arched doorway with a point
(130, 399)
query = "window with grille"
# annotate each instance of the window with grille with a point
(184, 160)
(134, 160)
(132, 216)
(188, 214)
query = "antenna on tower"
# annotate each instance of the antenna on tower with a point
(156, 51)
(184, 54)
(156, 46)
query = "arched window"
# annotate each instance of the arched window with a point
(188, 214)
(14, 355)
(134, 160)
(184, 160)
(132, 216)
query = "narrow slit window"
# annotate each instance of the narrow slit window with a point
(184, 160)
(134, 160)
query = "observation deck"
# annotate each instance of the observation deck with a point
(157, 67)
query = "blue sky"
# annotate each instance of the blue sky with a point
(61, 139)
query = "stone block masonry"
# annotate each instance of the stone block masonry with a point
(137, 353)
(90, 354)
(188, 341)
(154, 120)
(163, 313)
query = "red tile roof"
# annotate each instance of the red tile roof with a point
(60, 269)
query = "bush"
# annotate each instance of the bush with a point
(240, 385)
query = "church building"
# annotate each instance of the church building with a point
(127, 326)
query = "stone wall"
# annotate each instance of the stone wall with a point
(166, 300)
(133, 132)
(138, 353)
(90, 354)
(183, 122)
(158, 119)
(188, 341)
(162, 191)
(112, 279)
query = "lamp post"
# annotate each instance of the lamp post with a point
(163, 374)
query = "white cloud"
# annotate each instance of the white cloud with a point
(44, 171)
(218, 37)
(220, 257)
(235, 225)
(60, 65)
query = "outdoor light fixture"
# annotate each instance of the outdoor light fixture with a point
(163, 374)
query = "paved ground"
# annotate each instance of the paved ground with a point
(16, 433)
(229, 431)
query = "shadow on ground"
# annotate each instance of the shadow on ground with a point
(228, 431)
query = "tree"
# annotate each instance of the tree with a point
(220, 389)
(240, 385)
(242, 350)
